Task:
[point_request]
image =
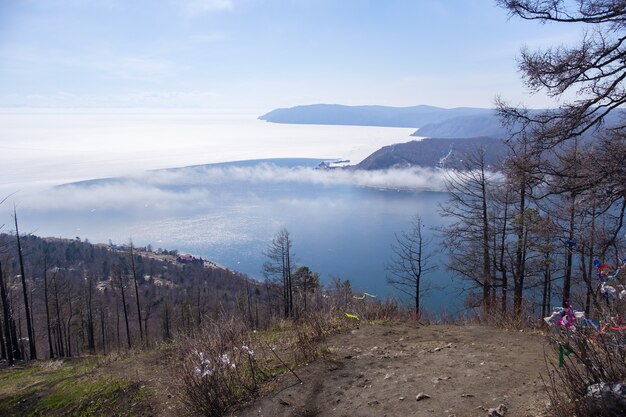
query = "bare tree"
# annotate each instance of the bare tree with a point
(595, 69)
(594, 72)
(29, 323)
(134, 271)
(124, 307)
(45, 297)
(467, 238)
(280, 265)
(410, 261)
(91, 340)
(11, 346)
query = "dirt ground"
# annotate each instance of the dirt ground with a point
(378, 370)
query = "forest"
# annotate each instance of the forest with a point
(85, 298)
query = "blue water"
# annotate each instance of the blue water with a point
(338, 230)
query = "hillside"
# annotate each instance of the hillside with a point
(335, 114)
(464, 127)
(434, 153)
(86, 285)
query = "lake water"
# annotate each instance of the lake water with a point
(342, 223)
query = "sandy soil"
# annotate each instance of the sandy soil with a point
(378, 370)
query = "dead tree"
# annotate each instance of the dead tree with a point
(123, 293)
(280, 266)
(45, 298)
(11, 345)
(467, 238)
(134, 271)
(410, 261)
(29, 323)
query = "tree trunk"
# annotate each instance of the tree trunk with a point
(520, 264)
(69, 327)
(125, 310)
(485, 243)
(45, 297)
(91, 340)
(29, 323)
(7, 320)
(59, 320)
(132, 263)
(103, 331)
(567, 280)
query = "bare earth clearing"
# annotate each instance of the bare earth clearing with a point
(376, 370)
(379, 369)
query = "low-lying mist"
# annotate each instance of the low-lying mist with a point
(178, 189)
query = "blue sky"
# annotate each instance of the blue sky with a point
(262, 54)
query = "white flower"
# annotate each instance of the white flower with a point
(225, 359)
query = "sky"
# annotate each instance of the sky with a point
(264, 54)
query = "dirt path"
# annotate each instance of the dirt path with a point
(378, 370)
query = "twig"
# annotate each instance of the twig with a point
(281, 361)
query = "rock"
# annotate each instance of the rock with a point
(439, 378)
(606, 399)
(467, 395)
(421, 396)
(437, 349)
(401, 398)
(497, 412)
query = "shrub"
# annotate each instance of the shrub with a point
(589, 377)
(219, 367)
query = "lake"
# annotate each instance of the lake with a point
(342, 223)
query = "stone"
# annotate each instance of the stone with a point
(606, 399)
(499, 411)
(421, 396)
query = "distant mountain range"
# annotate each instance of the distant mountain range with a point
(458, 123)
(450, 133)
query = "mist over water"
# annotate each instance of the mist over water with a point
(43, 147)
(342, 222)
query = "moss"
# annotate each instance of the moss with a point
(80, 397)
(56, 388)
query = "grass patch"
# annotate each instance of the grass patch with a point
(81, 397)
(66, 388)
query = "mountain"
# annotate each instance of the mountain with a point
(431, 122)
(336, 114)
(464, 127)
(434, 153)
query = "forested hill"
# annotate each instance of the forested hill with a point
(336, 114)
(89, 289)
(435, 153)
